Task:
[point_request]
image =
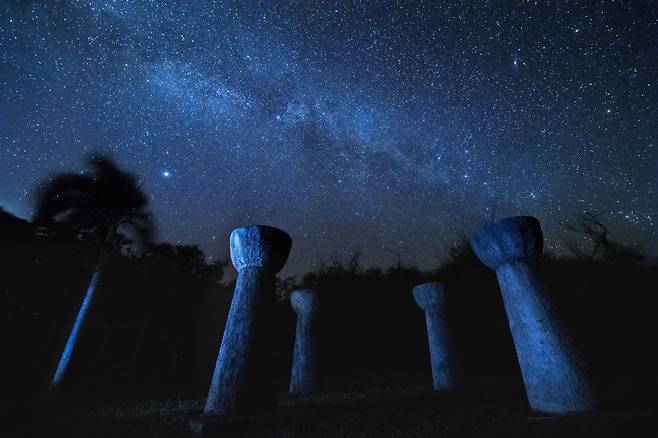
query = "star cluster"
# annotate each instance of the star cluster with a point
(394, 127)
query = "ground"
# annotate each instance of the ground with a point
(398, 412)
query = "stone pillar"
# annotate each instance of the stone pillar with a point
(304, 376)
(431, 298)
(241, 383)
(554, 377)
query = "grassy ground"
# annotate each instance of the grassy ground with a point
(398, 412)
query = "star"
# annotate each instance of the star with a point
(354, 128)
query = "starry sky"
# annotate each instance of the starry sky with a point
(394, 127)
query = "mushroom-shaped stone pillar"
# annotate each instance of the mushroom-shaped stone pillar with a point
(240, 383)
(431, 298)
(554, 377)
(304, 375)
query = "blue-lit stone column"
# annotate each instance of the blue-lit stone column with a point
(241, 383)
(304, 375)
(72, 340)
(555, 380)
(431, 298)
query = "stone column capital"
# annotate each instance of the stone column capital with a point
(259, 246)
(510, 240)
(429, 296)
(304, 301)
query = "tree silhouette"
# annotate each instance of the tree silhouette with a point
(179, 281)
(106, 205)
(592, 227)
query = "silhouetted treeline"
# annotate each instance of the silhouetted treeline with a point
(374, 334)
(155, 327)
(147, 329)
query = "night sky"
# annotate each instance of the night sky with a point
(393, 127)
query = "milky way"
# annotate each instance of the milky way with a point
(394, 127)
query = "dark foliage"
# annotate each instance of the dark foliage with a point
(103, 203)
(155, 327)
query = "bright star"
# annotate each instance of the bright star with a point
(516, 62)
(166, 174)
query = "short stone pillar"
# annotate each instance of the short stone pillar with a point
(241, 383)
(554, 376)
(431, 298)
(304, 376)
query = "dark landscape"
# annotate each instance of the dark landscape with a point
(328, 219)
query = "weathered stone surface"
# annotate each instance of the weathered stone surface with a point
(508, 240)
(553, 374)
(304, 301)
(431, 298)
(241, 382)
(72, 340)
(304, 377)
(259, 246)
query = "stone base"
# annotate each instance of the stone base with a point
(210, 425)
(320, 408)
(199, 425)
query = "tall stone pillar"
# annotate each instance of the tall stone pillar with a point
(241, 383)
(431, 298)
(554, 377)
(304, 377)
